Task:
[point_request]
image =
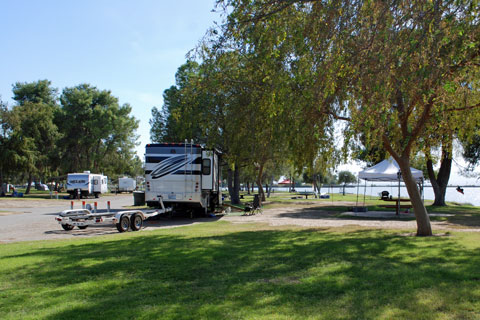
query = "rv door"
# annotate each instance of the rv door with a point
(207, 170)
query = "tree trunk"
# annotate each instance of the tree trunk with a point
(424, 227)
(314, 183)
(30, 179)
(233, 185)
(236, 186)
(2, 192)
(269, 188)
(230, 182)
(440, 182)
(248, 187)
(259, 183)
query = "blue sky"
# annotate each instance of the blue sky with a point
(132, 48)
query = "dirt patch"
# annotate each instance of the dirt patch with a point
(314, 217)
(7, 213)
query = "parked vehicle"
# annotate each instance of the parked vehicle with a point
(6, 188)
(41, 187)
(86, 184)
(123, 220)
(185, 175)
(126, 184)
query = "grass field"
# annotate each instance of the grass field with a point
(224, 271)
(463, 215)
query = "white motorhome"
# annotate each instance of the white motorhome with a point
(185, 175)
(126, 184)
(86, 184)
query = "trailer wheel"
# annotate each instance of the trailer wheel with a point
(82, 227)
(67, 227)
(123, 225)
(136, 222)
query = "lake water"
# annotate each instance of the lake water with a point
(471, 194)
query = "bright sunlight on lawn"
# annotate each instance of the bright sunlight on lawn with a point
(225, 271)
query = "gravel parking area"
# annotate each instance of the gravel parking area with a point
(27, 220)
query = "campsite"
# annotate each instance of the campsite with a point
(298, 259)
(240, 159)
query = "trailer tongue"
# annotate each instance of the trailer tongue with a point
(123, 220)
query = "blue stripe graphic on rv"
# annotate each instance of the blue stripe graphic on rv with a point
(71, 184)
(168, 166)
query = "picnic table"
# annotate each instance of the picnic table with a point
(306, 194)
(396, 205)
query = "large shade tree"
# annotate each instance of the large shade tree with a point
(99, 133)
(35, 112)
(179, 117)
(391, 69)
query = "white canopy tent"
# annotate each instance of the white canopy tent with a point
(388, 170)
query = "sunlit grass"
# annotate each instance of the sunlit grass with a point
(243, 271)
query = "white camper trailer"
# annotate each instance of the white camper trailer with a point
(86, 184)
(126, 184)
(185, 175)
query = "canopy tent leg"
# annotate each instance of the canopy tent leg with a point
(358, 186)
(399, 174)
(364, 192)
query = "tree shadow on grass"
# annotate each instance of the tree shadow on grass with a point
(461, 217)
(272, 274)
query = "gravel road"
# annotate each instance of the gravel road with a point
(27, 220)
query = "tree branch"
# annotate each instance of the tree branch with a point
(464, 108)
(421, 123)
(387, 144)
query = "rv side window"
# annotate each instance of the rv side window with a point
(206, 167)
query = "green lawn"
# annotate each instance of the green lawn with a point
(219, 270)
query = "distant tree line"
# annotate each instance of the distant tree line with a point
(45, 135)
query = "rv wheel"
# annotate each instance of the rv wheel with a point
(82, 227)
(136, 222)
(96, 194)
(67, 227)
(122, 226)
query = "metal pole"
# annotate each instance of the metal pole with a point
(364, 191)
(191, 168)
(399, 174)
(185, 171)
(358, 184)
